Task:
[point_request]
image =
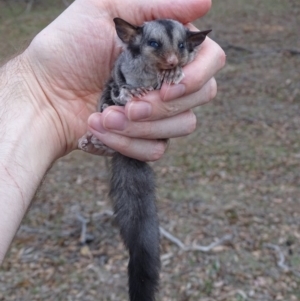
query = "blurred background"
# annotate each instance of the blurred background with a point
(237, 176)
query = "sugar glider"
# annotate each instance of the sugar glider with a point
(154, 53)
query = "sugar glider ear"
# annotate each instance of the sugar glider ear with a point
(126, 32)
(195, 38)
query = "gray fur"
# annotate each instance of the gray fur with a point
(154, 53)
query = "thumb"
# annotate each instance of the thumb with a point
(182, 10)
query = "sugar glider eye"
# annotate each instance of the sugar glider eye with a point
(181, 45)
(153, 44)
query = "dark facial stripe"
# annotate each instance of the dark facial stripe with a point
(134, 44)
(134, 50)
(169, 27)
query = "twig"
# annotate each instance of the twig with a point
(182, 246)
(83, 236)
(242, 294)
(106, 212)
(172, 238)
(291, 51)
(33, 230)
(221, 241)
(44, 231)
(236, 47)
(179, 243)
(281, 260)
(280, 255)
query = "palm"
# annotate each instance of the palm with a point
(73, 57)
(73, 67)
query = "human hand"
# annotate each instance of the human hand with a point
(71, 60)
(48, 92)
(166, 113)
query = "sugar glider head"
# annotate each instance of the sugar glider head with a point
(164, 43)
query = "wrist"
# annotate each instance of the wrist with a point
(28, 145)
(34, 121)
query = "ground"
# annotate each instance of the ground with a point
(237, 174)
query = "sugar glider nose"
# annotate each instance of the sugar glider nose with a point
(172, 60)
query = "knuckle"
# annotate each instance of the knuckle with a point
(174, 108)
(146, 131)
(170, 109)
(124, 143)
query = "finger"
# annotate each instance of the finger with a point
(115, 121)
(140, 149)
(209, 60)
(152, 107)
(182, 10)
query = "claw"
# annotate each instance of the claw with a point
(172, 76)
(140, 91)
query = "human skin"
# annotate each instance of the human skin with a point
(49, 92)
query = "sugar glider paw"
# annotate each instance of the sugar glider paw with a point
(84, 143)
(128, 92)
(141, 91)
(172, 76)
(124, 96)
(104, 106)
(90, 144)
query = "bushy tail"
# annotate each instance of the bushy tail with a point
(133, 194)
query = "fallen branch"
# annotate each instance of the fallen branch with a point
(45, 231)
(281, 260)
(179, 243)
(105, 212)
(199, 248)
(290, 51)
(84, 237)
(172, 238)
(236, 47)
(280, 255)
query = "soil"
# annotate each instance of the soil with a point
(237, 174)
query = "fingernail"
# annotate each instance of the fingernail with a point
(115, 120)
(174, 91)
(139, 110)
(95, 123)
